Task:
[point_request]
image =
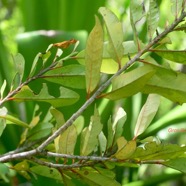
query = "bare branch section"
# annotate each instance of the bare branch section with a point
(69, 122)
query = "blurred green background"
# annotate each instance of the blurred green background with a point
(29, 26)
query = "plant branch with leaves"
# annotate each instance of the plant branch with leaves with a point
(51, 153)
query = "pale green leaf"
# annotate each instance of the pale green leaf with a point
(178, 56)
(147, 114)
(3, 113)
(115, 33)
(177, 163)
(34, 64)
(110, 131)
(2, 89)
(152, 18)
(129, 83)
(127, 150)
(167, 83)
(69, 76)
(67, 96)
(176, 7)
(79, 124)
(20, 64)
(102, 143)
(137, 12)
(93, 177)
(93, 57)
(154, 151)
(89, 136)
(182, 27)
(67, 141)
(46, 172)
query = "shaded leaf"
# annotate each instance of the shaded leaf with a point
(129, 83)
(115, 33)
(34, 64)
(92, 177)
(177, 163)
(70, 76)
(147, 114)
(89, 136)
(102, 143)
(178, 56)
(46, 172)
(20, 64)
(125, 149)
(154, 151)
(160, 84)
(67, 97)
(67, 141)
(93, 57)
(152, 18)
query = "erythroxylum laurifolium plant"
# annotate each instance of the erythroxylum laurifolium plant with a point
(70, 150)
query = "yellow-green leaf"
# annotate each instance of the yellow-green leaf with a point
(115, 33)
(93, 57)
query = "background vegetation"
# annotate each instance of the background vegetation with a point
(29, 27)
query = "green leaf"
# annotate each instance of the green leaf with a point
(14, 120)
(67, 97)
(20, 64)
(3, 113)
(129, 83)
(115, 33)
(177, 163)
(110, 132)
(70, 76)
(137, 12)
(89, 136)
(125, 149)
(40, 131)
(182, 27)
(93, 177)
(160, 84)
(154, 151)
(147, 114)
(47, 172)
(152, 18)
(67, 141)
(102, 143)
(4, 171)
(178, 56)
(93, 57)
(176, 7)
(2, 89)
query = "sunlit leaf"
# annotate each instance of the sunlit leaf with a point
(127, 150)
(20, 64)
(110, 133)
(34, 64)
(154, 151)
(115, 33)
(182, 27)
(137, 12)
(67, 141)
(177, 163)
(129, 83)
(47, 172)
(147, 114)
(102, 142)
(89, 136)
(176, 7)
(178, 56)
(2, 89)
(93, 57)
(79, 124)
(152, 17)
(167, 83)
(93, 177)
(67, 97)
(70, 76)
(3, 113)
